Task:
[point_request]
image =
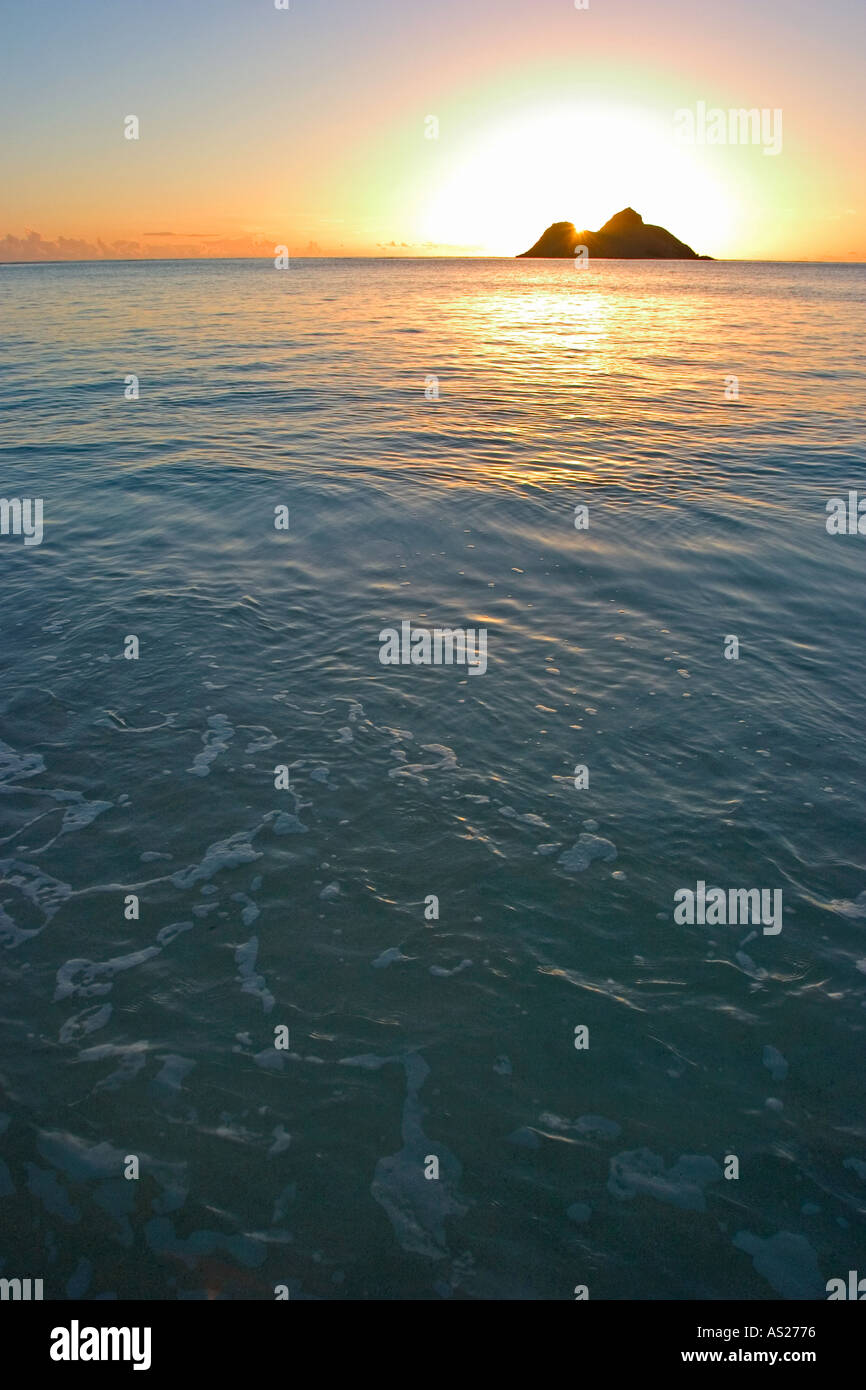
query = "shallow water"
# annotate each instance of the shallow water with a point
(452, 1037)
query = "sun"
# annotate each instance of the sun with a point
(578, 164)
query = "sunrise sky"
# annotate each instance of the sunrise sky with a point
(307, 127)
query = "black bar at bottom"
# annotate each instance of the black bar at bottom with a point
(258, 1338)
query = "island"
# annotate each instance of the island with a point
(625, 237)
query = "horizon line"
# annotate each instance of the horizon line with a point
(655, 260)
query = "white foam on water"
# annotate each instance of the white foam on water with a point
(756, 971)
(45, 894)
(846, 908)
(95, 977)
(389, 957)
(79, 1160)
(88, 1021)
(260, 745)
(584, 851)
(441, 970)
(253, 983)
(81, 813)
(282, 1140)
(594, 1126)
(251, 909)
(529, 818)
(222, 854)
(270, 1059)
(447, 762)
(418, 1207)
(173, 1071)
(216, 740)
(132, 1060)
(641, 1172)
(787, 1262)
(285, 823)
(161, 1236)
(15, 765)
(102, 1164)
(167, 934)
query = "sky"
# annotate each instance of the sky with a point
(428, 127)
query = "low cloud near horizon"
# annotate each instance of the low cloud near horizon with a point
(158, 246)
(33, 247)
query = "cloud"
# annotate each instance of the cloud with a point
(33, 247)
(430, 248)
(166, 245)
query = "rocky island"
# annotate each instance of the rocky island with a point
(625, 237)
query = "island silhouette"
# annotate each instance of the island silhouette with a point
(625, 237)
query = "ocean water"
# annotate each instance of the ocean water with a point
(415, 1036)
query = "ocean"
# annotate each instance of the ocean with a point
(335, 979)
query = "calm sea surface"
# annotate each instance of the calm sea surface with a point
(415, 1037)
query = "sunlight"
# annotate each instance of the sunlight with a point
(576, 164)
